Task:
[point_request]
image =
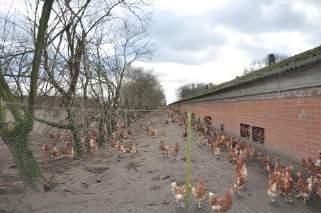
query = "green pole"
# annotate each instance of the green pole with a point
(188, 156)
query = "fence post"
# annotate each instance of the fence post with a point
(126, 118)
(188, 156)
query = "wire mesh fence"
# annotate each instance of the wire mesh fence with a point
(262, 181)
(102, 153)
(62, 133)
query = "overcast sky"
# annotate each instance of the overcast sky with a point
(213, 40)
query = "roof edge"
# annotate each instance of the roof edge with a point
(293, 63)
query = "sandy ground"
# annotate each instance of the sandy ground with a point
(117, 183)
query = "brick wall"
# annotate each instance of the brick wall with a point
(292, 125)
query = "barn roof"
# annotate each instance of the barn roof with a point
(290, 64)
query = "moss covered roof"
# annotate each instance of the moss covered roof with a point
(290, 64)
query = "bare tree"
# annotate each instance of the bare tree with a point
(77, 67)
(110, 58)
(189, 90)
(75, 71)
(142, 90)
(16, 136)
(263, 62)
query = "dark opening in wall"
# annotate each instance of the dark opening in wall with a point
(245, 130)
(258, 134)
(207, 120)
(222, 127)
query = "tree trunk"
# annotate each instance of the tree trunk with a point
(101, 130)
(18, 144)
(17, 138)
(77, 141)
(74, 130)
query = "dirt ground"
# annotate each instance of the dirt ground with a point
(117, 183)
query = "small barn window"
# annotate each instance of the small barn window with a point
(245, 130)
(258, 134)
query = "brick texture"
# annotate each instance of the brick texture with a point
(292, 125)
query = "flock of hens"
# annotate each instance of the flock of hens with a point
(119, 141)
(282, 180)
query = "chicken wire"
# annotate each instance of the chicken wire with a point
(51, 147)
(57, 135)
(283, 184)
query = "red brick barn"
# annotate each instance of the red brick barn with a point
(278, 107)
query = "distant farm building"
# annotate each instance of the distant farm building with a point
(278, 107)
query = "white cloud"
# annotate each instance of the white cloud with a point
(212, 41)
(190, 7)
(17, 6)
(228, 64)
